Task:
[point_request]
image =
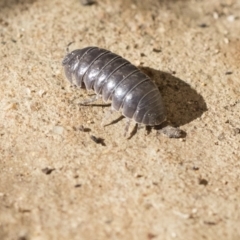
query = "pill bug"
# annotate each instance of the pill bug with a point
(115, 79)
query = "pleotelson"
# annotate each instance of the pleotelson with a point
(115, 79)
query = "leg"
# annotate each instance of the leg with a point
(114, 121)
(134, 131)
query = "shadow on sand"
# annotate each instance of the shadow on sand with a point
(183, 104)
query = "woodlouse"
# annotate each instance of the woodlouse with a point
(115, 79)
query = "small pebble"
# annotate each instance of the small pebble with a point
(58, 130)
(47, 170)
(215, 15)
(203, 181)
(157, 50)
(231, 18)
(203, 25)
(98, 140)
(87, 2)
(236, 131)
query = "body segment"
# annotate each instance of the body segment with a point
(115, 79)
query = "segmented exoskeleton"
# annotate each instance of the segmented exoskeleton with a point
(115, 79)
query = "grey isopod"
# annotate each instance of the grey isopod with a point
(115, 79)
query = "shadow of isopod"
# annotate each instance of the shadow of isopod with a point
(183, 104)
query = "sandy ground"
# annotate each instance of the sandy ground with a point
(57, 183)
